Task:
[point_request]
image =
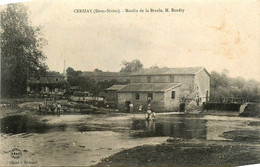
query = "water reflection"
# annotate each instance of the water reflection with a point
(150, 126)
(175, 127)
(26, 124)
(21, 124)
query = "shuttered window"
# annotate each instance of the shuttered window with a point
(137, 96)
(173, 94)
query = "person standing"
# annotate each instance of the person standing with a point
(40, 108)
(131, 107)
(53, 107)
(197, 99)
(149, 111)
(207, 96)
(58, 109)
(140, 108)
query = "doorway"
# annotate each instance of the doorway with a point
(127, 107)
(182, 107)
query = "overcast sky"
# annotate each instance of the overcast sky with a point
(216, 35)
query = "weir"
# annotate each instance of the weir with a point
(220, 106)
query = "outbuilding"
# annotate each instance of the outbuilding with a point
(112, 96)
(162, 96)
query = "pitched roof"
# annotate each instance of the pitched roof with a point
(104, 74)
(115, 87)
(148, 87)
(46, 80)
(166, 71)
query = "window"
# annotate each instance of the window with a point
(149, 79)
(57, 79)
(137, 96)
(173, 94)
(171, 78)
(150, 96)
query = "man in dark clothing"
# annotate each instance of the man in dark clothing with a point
(58, 109)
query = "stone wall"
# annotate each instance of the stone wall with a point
(122, 98)
(169, 103)
(138, 79)
(202, 84)
(157, 102)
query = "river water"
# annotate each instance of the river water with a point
(86, 139)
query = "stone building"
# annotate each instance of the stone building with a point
(167, 87)
(107, 76)
(162, 96)
(195, 81)
(112, 95)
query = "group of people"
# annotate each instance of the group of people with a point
(54, 107)
(132, 109)
(150, 114)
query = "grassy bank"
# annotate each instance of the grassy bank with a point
(180, 153)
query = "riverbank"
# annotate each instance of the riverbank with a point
(187, 153)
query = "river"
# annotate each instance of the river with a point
(86, 139)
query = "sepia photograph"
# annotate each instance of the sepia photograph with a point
(130, 83)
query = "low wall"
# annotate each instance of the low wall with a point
(221, 106)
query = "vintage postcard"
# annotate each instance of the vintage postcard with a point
(130, 83)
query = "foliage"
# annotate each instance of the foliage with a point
(21, 52)
(132, 66)
(71, 72)
(224, 86)
(97, 70)
(75, 78)
(154, 67)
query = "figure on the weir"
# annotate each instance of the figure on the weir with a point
(150, 113)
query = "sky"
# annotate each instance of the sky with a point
(216, 35)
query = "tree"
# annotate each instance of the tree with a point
(132, 66)
(70, 71)
(223, 86)
(74, 77)
(21, 52)
(154, 67)
(87, 84)
(97, 70)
